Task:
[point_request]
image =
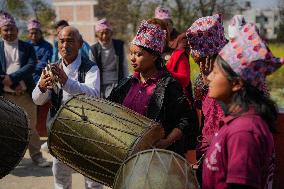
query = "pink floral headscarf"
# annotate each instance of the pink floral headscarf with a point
(6, 19)
(235, 25)
(34, 24)
(162, 13)
(150, 36)
(206, 36)
(102, 25)
(248, 55)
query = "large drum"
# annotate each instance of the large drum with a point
(156, 169)
(94, 136)
(14, 136)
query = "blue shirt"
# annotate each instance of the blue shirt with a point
(43, 51)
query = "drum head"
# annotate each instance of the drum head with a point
(155, 169)
(14, 136)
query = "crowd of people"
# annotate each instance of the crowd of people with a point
(222, 122)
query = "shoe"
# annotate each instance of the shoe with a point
(44, 147)
(41, 162)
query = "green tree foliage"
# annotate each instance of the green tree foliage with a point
(184, 12)
(18, 8)
(125, 15)
(23, 10)
(43, 12)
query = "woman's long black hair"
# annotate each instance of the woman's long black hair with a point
(251, 96)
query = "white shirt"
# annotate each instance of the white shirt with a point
(11, 50)
(72, 85)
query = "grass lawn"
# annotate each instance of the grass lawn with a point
(276, 80)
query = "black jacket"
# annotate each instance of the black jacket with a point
(28, 61)
(168, 105)
(118, 46)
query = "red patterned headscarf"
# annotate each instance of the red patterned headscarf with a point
(206, 36)
(150, 36)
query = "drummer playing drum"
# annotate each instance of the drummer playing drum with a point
(151, 91)
(76, 74)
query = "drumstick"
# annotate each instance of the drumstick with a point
(55, 84)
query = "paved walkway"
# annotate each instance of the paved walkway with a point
(28, 176)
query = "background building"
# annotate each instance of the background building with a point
(79, 13)
(266, 19)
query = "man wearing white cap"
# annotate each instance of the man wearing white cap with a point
(110, 57)
(77, 75)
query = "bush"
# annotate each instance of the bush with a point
(276, 80)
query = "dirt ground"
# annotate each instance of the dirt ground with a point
(28, 176)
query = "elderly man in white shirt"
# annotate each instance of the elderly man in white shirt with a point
(76, 74)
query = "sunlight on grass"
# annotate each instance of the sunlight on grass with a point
(276, 80)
